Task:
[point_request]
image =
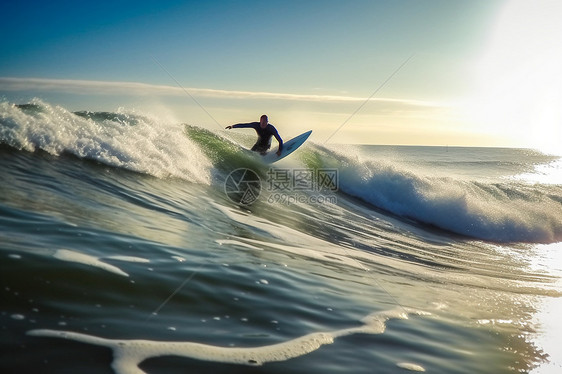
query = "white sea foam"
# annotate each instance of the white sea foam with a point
(140, 143)
(502, 211)
(85, 259)
(128, 259)
(410, 366)
(128, 354)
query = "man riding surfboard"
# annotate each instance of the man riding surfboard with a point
(265, 131)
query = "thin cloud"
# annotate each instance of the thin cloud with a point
(144, 89)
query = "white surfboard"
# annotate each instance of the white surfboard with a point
(288, 148)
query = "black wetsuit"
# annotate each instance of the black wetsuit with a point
(264, 135)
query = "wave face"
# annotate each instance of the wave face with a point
(495, 206)
(438, 191)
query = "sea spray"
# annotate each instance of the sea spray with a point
(500, 211)
(140, 143)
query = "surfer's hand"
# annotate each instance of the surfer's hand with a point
(278, 153)
(228, 127)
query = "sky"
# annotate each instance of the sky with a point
(433, 72)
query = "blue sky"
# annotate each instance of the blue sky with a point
(308, 64)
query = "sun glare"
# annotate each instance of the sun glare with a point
(519, 77)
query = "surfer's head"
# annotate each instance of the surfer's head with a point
(263, 121)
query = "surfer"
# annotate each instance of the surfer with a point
(265, 131)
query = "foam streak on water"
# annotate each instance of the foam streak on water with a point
(128, 354)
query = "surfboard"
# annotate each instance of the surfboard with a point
(288, 148)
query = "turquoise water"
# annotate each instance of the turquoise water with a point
(121, 252)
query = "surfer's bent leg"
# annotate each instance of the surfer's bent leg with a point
(261, 148)
(262, 145)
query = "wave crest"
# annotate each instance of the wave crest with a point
(129, 140)
(510, 211)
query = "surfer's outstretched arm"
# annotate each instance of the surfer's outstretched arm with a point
(251, 125)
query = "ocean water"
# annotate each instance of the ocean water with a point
(130, 244)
